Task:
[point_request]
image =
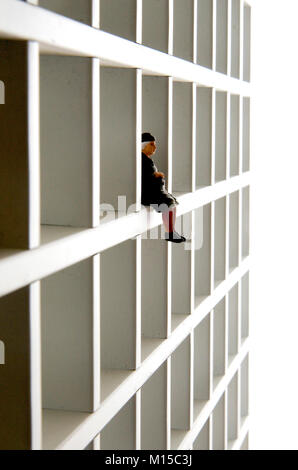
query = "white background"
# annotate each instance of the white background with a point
(274, 228)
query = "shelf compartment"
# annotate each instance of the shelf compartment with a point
(180, 387)
(68, 298)
(202, 442)
(232, 409)
(15, 374)
(244, 388)
(110, 380)
(182, 137)
(245, 221)
(234, 135)
(218, 425)
(233, 323)
(221, 36)
(203, 136)
(58, 425)
(120, 432)
(235, 39)
(234, 230)
(202, 253)
(202, 369)
(245, 306)
(219, 340)
(118, 313)
(246, 135)
(19, 134)
(246, 42)
(205, 33)
(181, 269)
(155, 27)
(118, 175)
(155, 116)
(220, 135)
(183, 29)
(154, 303)
(80, 10)
(154, 411)
(66, 141)
(220, 240)
(124, 23)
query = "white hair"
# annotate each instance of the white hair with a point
(145, 143)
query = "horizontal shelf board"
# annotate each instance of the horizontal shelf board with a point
(51, 233)
(94, 423)
(60, 35)
(58, 424)
(62, 249)
(216, 396)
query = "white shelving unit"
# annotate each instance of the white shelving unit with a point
(112, 337)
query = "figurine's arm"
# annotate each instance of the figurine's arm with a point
(159, 174)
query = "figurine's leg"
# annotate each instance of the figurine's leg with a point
(168, 221)
(174, 217)
(169, 218)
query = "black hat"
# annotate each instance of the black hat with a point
(147, 137)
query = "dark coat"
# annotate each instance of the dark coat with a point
(153, 189)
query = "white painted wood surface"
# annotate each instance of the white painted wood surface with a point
(144, 344)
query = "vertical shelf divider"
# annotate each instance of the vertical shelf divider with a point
(138, 417)
(191, 379)
(168, 403)
(139, 17)
(35, 366)
(226, 358)
(225, 443)
(229, 38)
(241, 34)
(96, 330)
(95, 22)
(228, 134)
(171, 27)
(139, 81)
(195, 31)
(214, 35)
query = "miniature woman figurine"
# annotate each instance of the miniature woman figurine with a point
(153, 190)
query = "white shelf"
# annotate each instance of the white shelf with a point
(138, 343)
(64, 251)
(60, 35)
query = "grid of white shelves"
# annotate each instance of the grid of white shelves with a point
(113, 338)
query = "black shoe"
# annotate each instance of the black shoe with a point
(174, 237)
